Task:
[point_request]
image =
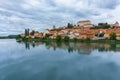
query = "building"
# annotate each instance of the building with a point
(116, 24)
(47, 31)
(38, 35)
(83, 23)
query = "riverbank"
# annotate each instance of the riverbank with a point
(70, 40)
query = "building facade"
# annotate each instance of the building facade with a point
(83, 23)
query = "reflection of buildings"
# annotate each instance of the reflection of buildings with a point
(28, 45)
(81, 48)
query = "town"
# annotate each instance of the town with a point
(83, 29)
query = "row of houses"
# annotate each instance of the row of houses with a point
(83, 33)
(83, 30)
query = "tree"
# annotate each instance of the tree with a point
(47, 36)
(101, 34)
(106, 26)
(59, 38)
(75, 39)
(113, 36)
(66, 38)
(18, 37)
(70, 25)
(103, 25)
(26, 32)
(97, 34)
(32, 33)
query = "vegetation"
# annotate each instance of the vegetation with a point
(47, 36)
(113, 36)
(75, 39)
(8, 37)
(32, 33)
(87, 39)
(59, 38)
(100, 34)
(102, 26)
(26, 32)
(66, 38)
(70, 25)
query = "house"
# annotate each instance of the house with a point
(86, 33)
(47, 31)
(116, 24)
(38, 35)
(89, 25)
(22, 35)
(83, 23)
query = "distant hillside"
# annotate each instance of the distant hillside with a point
(8, 37)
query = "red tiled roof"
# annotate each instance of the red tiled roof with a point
(116, 22)
(84, 21)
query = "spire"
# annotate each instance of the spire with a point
(116, 22)
(54, 27)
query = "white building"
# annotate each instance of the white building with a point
(46, 32)
(83, 23)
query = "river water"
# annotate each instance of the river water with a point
(59, 61)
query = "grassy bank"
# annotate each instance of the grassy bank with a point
(69, 40)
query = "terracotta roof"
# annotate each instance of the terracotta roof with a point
(84, 21)
(116, 22)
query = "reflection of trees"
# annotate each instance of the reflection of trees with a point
(101, 49)
(27, 45)
(70, 49)
(33, 44)
(67, 43)
(113, 47)
(59, 44)
(82, 48)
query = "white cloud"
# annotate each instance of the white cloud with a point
(42, 14)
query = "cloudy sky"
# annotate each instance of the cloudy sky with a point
(16, 15)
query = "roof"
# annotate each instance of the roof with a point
(84, 21)
(116, 22)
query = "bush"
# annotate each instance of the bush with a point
(113, 36)
(59, 38)
(47, 36)
(66, 38)
(75, 39)
(18, 37)
(87, 39)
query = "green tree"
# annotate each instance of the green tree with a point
(66, 38)
(103, 25)
(18, 37)
(59, 38)
(32, 33)
(75, 39)
(26, 32)
(47, 36)
(113, 36)
(70, 25)
(101, 34)
(97, 34)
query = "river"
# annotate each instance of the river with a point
(59, 61)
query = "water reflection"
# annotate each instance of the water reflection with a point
(82, 48)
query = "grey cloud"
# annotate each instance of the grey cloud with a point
(16, 15)
(108, 4)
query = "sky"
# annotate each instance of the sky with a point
(17, 15)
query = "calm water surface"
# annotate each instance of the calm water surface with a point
(59, 61)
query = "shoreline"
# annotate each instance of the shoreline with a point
(71, 40)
